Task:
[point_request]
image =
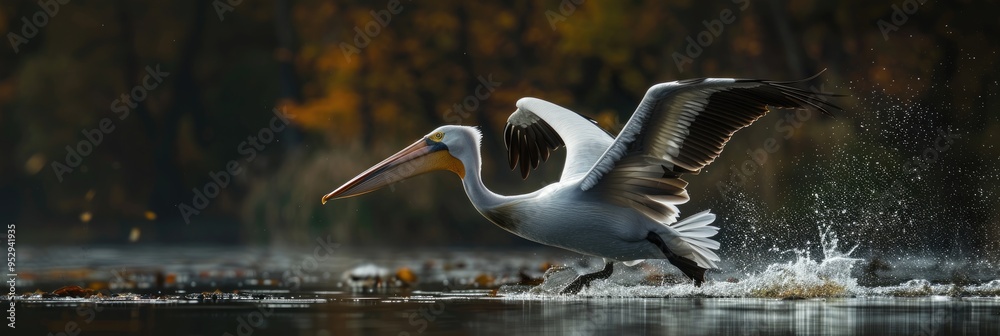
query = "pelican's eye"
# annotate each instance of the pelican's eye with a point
(437, 136)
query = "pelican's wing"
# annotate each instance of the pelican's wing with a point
(538, 127)
(680, 127)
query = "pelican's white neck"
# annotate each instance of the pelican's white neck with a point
(482, 198)
(466, 148)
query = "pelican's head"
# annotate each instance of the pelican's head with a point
(438, 150)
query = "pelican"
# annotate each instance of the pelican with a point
(617, 196)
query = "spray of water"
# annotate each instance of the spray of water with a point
(802, 276)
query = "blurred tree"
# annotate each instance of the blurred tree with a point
(363, 78)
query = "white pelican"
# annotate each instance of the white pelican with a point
(616, 197)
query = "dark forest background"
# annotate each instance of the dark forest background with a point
(911, 70)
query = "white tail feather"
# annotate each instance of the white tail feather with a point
(702, 242)
(702, 232)
(696, 231)
(701, 219)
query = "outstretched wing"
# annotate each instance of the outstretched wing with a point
(539, 127)
(681, 127)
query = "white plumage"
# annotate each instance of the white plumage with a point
(617, 196)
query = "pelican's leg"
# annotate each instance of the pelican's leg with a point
(585, 279)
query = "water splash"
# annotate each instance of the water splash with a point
(805, 277)
(801, 277)
(923, 288)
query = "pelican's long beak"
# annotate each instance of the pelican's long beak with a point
(421, 157)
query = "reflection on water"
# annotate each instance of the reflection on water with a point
(436, 314)
(758, 316)
(190, 291)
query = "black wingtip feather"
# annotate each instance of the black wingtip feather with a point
(530, 145)
(522, 145)
(506, 135)
(512, 149)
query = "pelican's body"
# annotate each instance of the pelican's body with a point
(593, 228)
(616, 197)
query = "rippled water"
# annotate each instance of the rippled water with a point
(252, 291)
(471, 313)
